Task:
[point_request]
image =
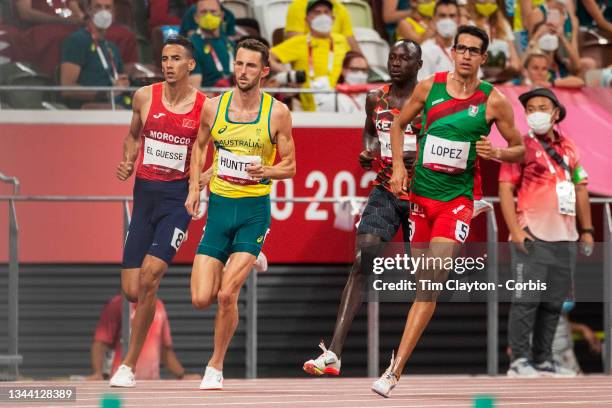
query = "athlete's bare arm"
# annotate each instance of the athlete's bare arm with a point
(500, 111)
(131, 143)
(412, 107)
(369, 136)
(198, 156)
(281, 128)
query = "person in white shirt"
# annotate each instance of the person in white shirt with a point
(354, 72)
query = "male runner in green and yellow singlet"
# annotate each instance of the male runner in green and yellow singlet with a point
(247, 127)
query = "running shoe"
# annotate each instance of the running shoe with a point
(387, 382)
(326, 363)
(553, 369)
(481, 206)
(123, 377)
(213, 379)
(521, 367)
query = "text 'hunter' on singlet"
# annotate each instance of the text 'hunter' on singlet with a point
(167, 139)
(383, 119)
(447, 165)
(237, 144)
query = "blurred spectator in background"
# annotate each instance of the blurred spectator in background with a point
(518, 25)
(89, 59)
(538, 73)
(167, 13)
(394, 11)
(51, 21)
(316, 58)
(489, 15)
(552, 190)
(214, 51)
(416, 26)
(355, 71)
(157, 347)
(296, 22)
(436, 51)
(190, 23)
(595, 13)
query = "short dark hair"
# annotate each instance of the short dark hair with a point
(445, 3)
(183, 42)
(476, 32)
(408, 44)
(256, 45)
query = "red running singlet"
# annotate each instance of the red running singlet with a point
(167, 139)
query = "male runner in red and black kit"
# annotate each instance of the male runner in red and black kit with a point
(384, 212)
(165, 123)
(458, 112)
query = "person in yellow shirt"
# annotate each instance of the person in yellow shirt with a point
(296, 21)
(319, 54)
(416, 27)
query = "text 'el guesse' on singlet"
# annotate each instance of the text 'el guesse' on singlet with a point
(167, 139)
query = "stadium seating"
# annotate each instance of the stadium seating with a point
(240, 8)
(373, 47)
(361, 13)
(271, 15)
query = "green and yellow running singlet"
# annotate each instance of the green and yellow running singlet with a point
(236, 145)
(447, 165)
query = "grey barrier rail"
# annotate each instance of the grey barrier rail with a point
(12, 360)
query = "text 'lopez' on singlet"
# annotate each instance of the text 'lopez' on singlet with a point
(167, 139)
(237, 144)
(447, 165)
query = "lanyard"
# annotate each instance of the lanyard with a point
(112, 73)
(215, 57)
(330, 57)
(444, 51)
(551, 168)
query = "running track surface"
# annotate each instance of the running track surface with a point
(412, 391)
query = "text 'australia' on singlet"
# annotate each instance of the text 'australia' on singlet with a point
(447, 165)
(167, 139)
(383, 118)
(239, 144)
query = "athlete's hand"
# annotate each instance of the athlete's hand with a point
(192, 204)
(256, 171)
(519, 240)
(399, 180)
(205, 179)
(485, 149)
(124, 170)
(365, 159)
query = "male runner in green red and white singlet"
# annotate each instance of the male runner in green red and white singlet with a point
(458, 111)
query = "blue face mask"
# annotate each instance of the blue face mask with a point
(568, 305)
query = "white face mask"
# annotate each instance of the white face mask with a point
(446, 27)
(356, 77)
(103, 19)
(322, 23)
(548, 42)
(539, 122)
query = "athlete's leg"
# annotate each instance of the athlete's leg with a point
(226, 321)
(130, 281)
(153, 269)
(206, 277)
(368, 246)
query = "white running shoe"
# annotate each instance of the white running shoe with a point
(326, 363)
(124, 377)
(387, 381)
(481, 206)
(522, 368)
(213, 379)
(553, 369)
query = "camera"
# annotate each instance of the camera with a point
(291, 77)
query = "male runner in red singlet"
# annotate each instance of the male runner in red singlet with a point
(164, 126)
(458, 111)
(384, 212)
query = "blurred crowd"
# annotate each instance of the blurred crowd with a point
(323, 45)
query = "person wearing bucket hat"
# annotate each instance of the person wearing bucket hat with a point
(551, 186)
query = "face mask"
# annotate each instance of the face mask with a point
(568, 305)
(548, 42)
(103, 19)
(322, 23)
(209, 22)
(446, 27)
(356, 77)
(539, 122)
(427, 9)
(486, 9)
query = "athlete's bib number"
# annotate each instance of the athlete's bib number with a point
(232, 167)
(164, 154)
(444, 155)
(385, 144)
(566, 197)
